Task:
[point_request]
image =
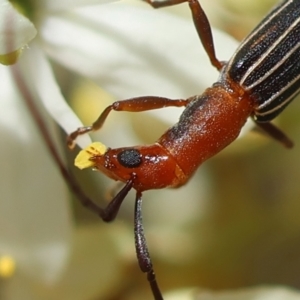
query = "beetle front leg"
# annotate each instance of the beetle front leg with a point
(130, 105)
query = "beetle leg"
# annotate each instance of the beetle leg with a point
(201, 23)
(276, 134)
(141, 247)
(130, 105)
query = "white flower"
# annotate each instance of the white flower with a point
(130, 50)
(15, 32)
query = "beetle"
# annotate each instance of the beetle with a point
(259, 81)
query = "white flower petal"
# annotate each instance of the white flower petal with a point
(59, 5)
(35, 225)
(37, 68)
(146, 52)
(16, 31)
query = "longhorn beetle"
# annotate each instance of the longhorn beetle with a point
(259, 81)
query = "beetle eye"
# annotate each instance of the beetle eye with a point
(130, 158)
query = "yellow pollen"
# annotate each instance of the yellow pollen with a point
(83, 159)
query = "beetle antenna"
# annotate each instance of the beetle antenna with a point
(110, 212)
(141, 247)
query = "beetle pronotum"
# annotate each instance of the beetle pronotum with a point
(259, 81)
